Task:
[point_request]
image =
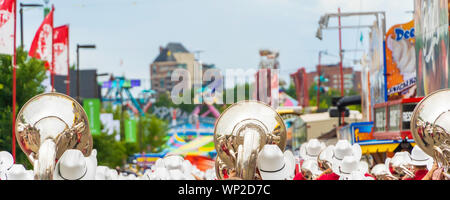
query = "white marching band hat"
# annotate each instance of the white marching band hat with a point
(273, 164)
(18, 172)
(74, 166)
(6, 162)
(311, 149)
(349, 167)
(420, 158)
(400, 158)
(342, 149)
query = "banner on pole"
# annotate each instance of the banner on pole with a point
(376, 66)
(60, 48)
(42, 45)
(92, 109)
(7, 13)
(130, 131)
(301, 88)
(401, 61)
(110, 126)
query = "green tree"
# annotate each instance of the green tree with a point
(30, 73)
(291, 90)
(110, 152)
(326, 97)
(154, 132)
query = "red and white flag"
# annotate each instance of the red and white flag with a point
(61, 50)
(7, 21)
(42, 46)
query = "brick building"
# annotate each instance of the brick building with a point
(352, 79)
(170, 58)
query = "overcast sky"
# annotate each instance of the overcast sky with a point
(230, 32)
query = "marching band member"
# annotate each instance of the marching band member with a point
(338, 152)
(421, 163)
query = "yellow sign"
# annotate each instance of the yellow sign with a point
(380, 148)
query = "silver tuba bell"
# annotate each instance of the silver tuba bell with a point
(310, 169)
(324, 158)
(430, 127)
(49, 124)
(381, 172)
(240, 133)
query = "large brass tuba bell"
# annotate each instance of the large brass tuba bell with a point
(49, 124)
(240, 133)
(430, 127)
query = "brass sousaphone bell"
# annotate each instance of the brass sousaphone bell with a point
(48, 125)
(240, 133)
(430, 127)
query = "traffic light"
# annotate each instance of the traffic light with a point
(323, 79)
(323, 89)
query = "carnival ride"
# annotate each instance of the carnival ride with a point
(119, 87)
(191, 137)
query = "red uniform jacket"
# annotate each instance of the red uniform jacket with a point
(331, 176)
(299, 176)
(419, 175)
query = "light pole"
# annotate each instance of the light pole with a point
(323, 24)
(23, 5)
(85, 46)
(318, 79)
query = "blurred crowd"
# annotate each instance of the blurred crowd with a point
(343, 161)
(316, 161)
(73, 165)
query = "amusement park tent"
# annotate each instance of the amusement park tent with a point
(286, 100)
(186, 129)
(198, 146)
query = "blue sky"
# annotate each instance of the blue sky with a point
(230, 32)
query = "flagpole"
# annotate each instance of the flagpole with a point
(68, 62)
(53, 55)
(14, 88)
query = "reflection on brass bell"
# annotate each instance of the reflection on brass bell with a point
(240, 133)
(430, 127)
(49, 124)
